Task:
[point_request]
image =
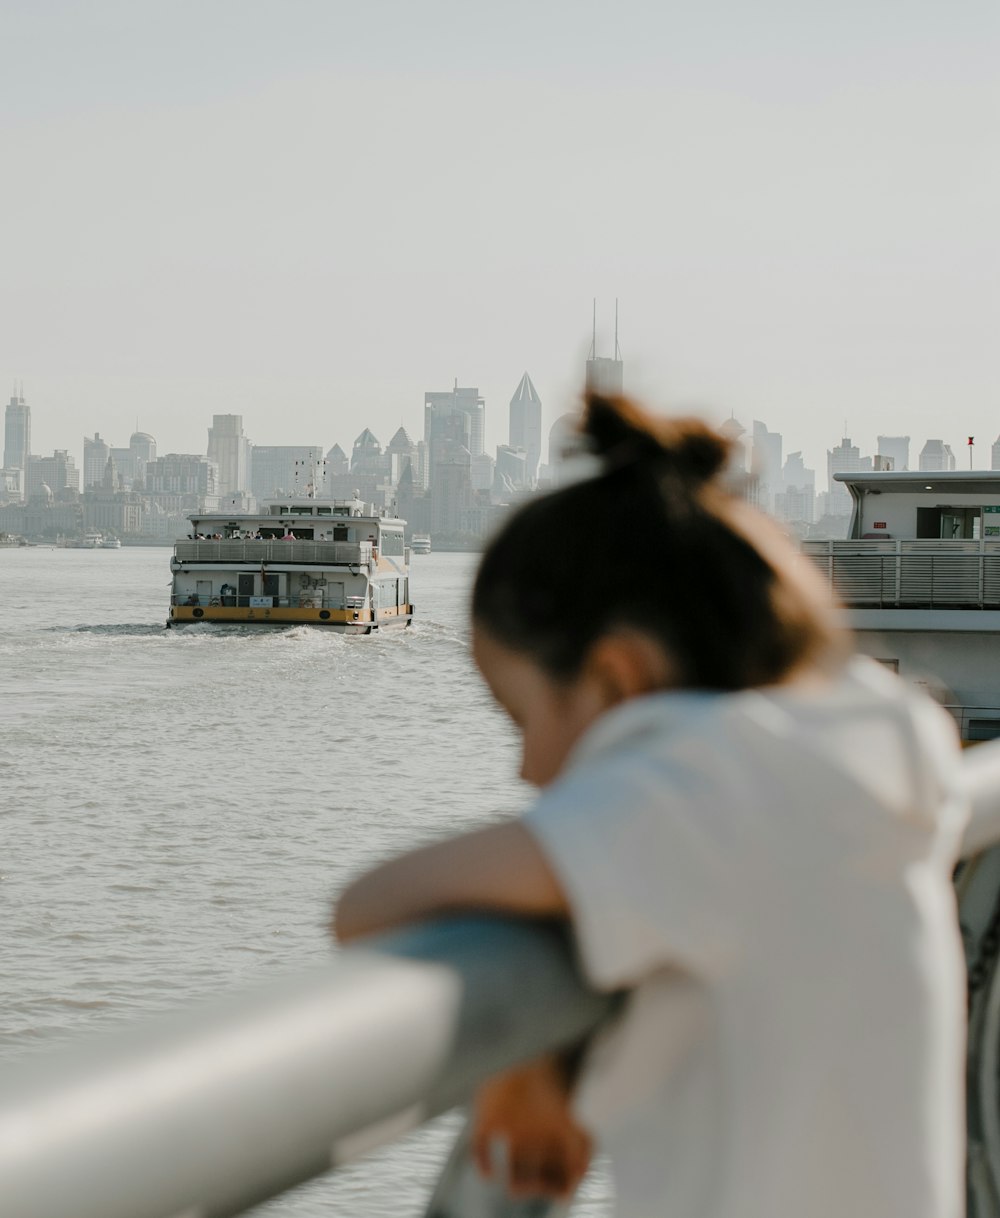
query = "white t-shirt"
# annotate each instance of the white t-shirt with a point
(770, 870)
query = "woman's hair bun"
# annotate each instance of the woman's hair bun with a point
(622, 433)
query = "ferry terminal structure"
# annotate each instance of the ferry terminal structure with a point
(337, 563)
(920, 578)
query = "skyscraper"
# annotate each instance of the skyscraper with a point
(95, 458)
(526, 425)
(766, 464)
(17, 432)
(229, 448)
(455, 415)
(936, 455)
(605, 375)
(896, 447)
(845, 458)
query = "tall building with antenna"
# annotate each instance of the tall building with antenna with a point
(605, 375)
(526, 425)
(17, 431)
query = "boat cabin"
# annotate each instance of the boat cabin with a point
(946, 506)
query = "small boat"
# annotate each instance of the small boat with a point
(337, 563)
(108, 542)
(421, 544)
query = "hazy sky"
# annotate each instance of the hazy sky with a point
(309, 212)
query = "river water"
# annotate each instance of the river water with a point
(179, 806)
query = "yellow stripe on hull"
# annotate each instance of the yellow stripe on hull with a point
(182, 614)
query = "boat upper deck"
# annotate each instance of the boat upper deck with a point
(946, 506)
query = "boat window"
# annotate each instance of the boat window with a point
(341, 532)
(984, 729)
(303, 511)
(323, 511)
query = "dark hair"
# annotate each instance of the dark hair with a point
(657, 544)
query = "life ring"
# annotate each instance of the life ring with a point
(215, 601)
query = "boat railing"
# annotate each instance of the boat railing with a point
(316, 598)
(911, 574)
(209, 1113)
(331, 553)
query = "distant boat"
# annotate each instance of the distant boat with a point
(421, 544)
(337, 563)
(110, 543)
(91, 540)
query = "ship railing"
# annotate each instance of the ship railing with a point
(933, 574)
(206, 1114)
(253, 553)
(315, 599)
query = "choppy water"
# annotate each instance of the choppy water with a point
(178, 807)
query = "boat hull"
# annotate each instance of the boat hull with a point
(345, 621)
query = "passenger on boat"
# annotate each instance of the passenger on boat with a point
(749, 829)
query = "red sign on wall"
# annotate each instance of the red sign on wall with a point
(879, 524)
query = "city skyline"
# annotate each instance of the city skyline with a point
(761, 450)
(222, 210)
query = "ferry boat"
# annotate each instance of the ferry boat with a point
(920, 577)
(337, 563)
(420, 544)
(91, 540)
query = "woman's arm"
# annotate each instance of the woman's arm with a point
(499, 868)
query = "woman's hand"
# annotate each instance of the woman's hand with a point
(526, 1114)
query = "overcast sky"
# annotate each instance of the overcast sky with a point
(309, 212)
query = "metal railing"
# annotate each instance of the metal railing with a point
(208, 1114)
(205, 1115)
(332, 553)
(316, 599)
(911, 574)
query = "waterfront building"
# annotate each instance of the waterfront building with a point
(286, 469)
(455, 416)
(11, 485)
(58, 473)
(897, 449)
(525, 425)
(17, 432)
(936, 456)
(180, 482)
(113, 511)
(229, 449)
(95, 459)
